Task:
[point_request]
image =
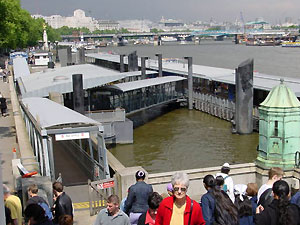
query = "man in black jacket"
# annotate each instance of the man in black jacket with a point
(62, 202)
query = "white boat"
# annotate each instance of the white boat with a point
(41, 58)
(168, 39)
(290, 44)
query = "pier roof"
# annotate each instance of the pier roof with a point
(50, 114)
(129, 86)
(21, 68)
(260, 81)
(60, 79)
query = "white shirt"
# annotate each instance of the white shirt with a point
(229, 182)
(262, 189)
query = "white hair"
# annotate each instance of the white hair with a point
(180, 178)
(5, 189)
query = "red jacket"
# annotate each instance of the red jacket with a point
(164, 212)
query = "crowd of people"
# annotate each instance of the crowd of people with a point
(223, 204)
(37, 210)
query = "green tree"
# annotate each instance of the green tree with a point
(18, 29)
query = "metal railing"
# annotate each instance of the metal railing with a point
(213, 105)
(297, 159)
(99, 191)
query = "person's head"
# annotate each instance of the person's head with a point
(154, 200)
(275, 174)
(209, 181)
(252, 189)
(113, 204)
(65, 220)
(225, 168)
(35, 214)
(140, 175)
(281, 189)
(219, 181)
(180, 182)
(281, 192)
(6, 192)
(32, 190)
(57, 188)
(170, 189)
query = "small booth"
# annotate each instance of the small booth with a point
(279, 129)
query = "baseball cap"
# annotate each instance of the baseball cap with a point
(226, 165)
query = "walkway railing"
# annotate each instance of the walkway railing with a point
(220, 107)
(213, 105)
(99, 191)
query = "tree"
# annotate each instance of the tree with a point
(18, 29)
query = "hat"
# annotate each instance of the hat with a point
(140, 174)
(226, 165)
(169, 187)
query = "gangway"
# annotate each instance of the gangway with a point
(141, 94)
(62, 141)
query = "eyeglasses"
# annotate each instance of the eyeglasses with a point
(183, 189)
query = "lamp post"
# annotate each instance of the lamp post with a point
(56, 47)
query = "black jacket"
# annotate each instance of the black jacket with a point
(36, 200)
(137, 199)
(270, 215)
(62, 206)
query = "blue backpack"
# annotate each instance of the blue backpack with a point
(225, 188)
(46, 208)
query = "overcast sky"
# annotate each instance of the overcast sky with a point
(273, 11)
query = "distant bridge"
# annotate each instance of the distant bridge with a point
(177, 34)
(151, 34)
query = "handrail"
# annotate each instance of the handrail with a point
(297, 159)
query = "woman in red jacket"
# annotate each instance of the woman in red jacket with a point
(179, 209)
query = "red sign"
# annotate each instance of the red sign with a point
(107, 184)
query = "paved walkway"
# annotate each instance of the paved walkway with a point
(7, 137)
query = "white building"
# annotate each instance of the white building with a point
(136, 25)
(108, 25)
(78, 20)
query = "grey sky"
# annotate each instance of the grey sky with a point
(186, 10)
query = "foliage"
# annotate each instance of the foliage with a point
(155, 30)
(214, 29)
(18, 29)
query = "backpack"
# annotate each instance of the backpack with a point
(266, 198)
(296, 199)
(225, 188)
(46, 208)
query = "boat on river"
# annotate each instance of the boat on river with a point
(291, 44)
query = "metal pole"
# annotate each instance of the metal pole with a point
(143, 67)
(51, 159)
(159, 58)
(122, 69)
(2, 214)
(190, 81)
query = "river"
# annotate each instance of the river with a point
(183, 139)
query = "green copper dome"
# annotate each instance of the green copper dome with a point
(281, 97)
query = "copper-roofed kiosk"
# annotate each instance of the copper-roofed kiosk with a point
(279, 126)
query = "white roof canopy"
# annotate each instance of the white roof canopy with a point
(21, 68)
(60, 79)
(49, 114)
(129, 86)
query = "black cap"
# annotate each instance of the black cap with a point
(140, 174)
